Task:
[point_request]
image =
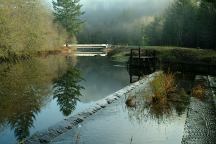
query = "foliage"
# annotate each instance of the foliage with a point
(198, 91)
(118, 22)
(186, 23)
(153, 32)
(67, 13)
(161, 111)
(162, 86)
(26, 27)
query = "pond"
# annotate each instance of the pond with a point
(120, 124)
(38, 93)
(164, 121)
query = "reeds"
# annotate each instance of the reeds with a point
(162, 86)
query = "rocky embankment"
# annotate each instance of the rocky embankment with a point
(200, 126)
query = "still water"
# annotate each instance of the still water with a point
(143, 124)
(38, 93)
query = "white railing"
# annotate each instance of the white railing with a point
(89, 45)
(90, 49)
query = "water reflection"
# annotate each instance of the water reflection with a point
(178, 101)
(162, 111)
(38, 93)
(177, 104)
(102, 77)
(22, 122)
(26, 87)
(67, 90)
(184, 68)
(189, 68)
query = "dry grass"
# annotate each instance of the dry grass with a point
(198, 91)
(169, 83)
(162, 86)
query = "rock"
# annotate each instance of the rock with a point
(131, 101)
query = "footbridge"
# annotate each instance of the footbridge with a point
(91, 49)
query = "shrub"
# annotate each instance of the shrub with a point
(198, 91)
(26, 27)
(162, 86)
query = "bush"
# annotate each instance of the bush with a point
(27, 27)
(198, 91)
(162, 86)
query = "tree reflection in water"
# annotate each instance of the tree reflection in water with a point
(176, 104)
(67, 90)
(145, 110)
(24, 89)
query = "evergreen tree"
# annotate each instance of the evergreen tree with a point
(186, 23)
(67, 13)
(207, 24)
(153, 32)
(180, 23)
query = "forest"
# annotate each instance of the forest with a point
(182, 23)
(186, 23)
(118, 21)
(27, 27)
(31, 26)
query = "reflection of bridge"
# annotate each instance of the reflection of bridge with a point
(91, 49)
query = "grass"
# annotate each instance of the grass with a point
(198, 91)
(171, 54)
(162, 86)
(165, 96)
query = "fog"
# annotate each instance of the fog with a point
(115, 7)
(117, 21)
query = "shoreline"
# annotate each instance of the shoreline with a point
(47, 135)
(168, 54)
(13, 58)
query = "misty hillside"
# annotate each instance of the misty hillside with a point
(118, 21)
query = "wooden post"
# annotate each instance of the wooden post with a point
(139, 53)
(154, 57)
(139, 58)
(131, 57)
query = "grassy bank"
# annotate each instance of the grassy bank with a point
(169, 54)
